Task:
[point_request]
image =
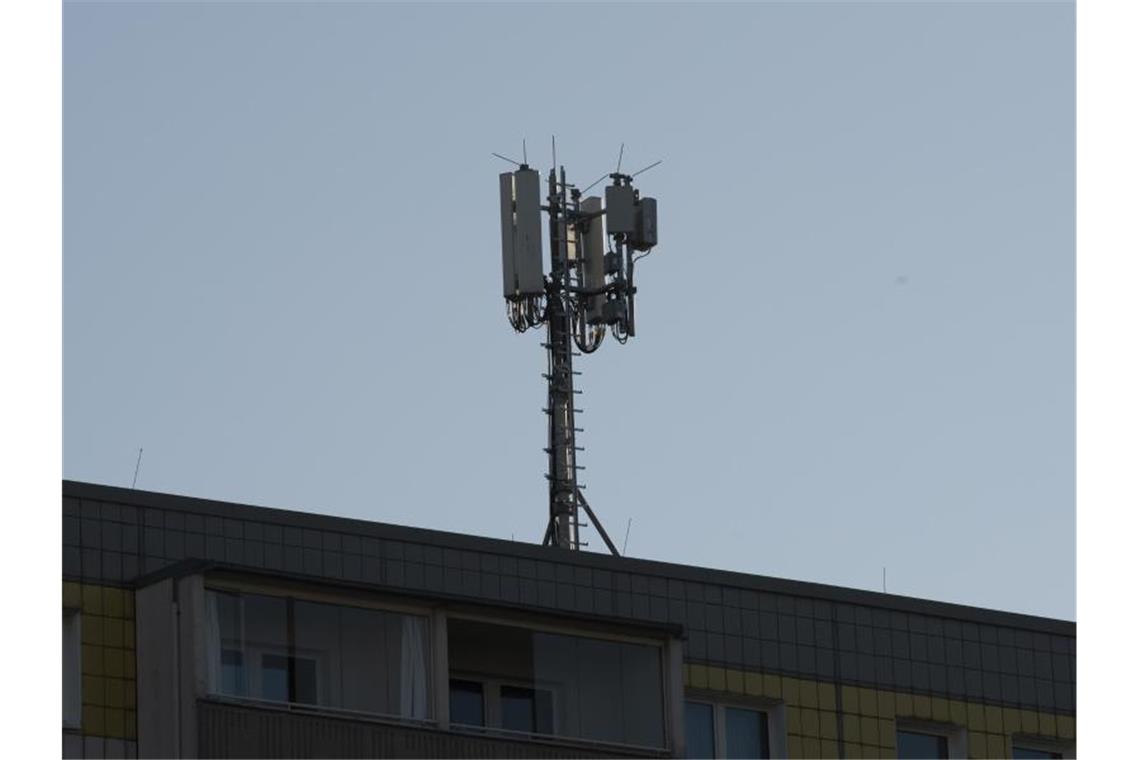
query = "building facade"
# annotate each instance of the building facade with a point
(195, 628)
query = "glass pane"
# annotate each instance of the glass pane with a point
(466, 703)
(275, 677)
(316, 654)
(699, 742)
(517, 706)
(566, 685)
(916, 745)
(1029, 752)
(745, 733)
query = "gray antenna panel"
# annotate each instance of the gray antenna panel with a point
(594, 245)
(619, 209)
(519, 201)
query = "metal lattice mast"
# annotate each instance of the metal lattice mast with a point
(588, 289)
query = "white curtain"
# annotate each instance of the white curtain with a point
(413, 668)
(213, 644)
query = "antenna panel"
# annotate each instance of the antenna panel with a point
(645, 236)
(619, 209)
(519, 202)
(594, 253)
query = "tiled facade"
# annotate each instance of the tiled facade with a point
(846, 663)
(109, 725)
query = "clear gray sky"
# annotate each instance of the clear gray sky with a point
(855, 341)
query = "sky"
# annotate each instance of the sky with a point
(855, 349)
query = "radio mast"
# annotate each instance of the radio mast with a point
(589, 288)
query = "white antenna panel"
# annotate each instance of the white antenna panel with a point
(519, 202)
(594, 253)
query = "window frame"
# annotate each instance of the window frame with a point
(773, 711)
(586, 629)
(292, 593)
(493, 704)
(957, 738)
(1066, 748)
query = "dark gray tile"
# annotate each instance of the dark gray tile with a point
(825, 664)
(413, 552)
(547, 594)
(195, 545)
(174, 521)
(920, 675)
(433, 577)
(1046, 699)
(677, 610)
(848, 666)
(770, 655)
(1010, 692)
(786, 605)
(641, 606)
(394, 575)
(414, 574)
(750, 623)
(234, 528)
(1006, 637)
(331, 541)
(769, 626)
(312, 539)
(583, 576)
(805, 631)
(92, 564)
(254, 531)
(373, 573)
(274, 556)
(623, 582)
(823, 634)
(1008, 658)
(956, 682)
(695, 615)
(333, 564)
(991, 685)
(294, 558)
(130, 567)
(698, 645)
(882, 641)
(195, 523)
(731, 620)
(130, 538)
(153, 518)
(867, 668)
(640, 585)
(884, 670)
(603, 602)
(433, 555)
(564, 594)
(254, 553)
(71, 506)
(804, 607)
(954, 654)
(731, 597)
(847, 637)
(713, 594)
(112, 564)
(174, 544)
(845, 613)
(918, 647)
(936, 649)
(216, 548)
(658, 608)
(293, 536)
(584, 599)
(900, 644)
(787, 627)
(453, 580)
(235, 551)
(354, 567)
(90, 533)
(489, 585)
(750, 651)
(471, 586)
(787, 656)
(716, 646)
(863, 616)
(273, 534)
(528, 591)
(71, 532)
(714, 618)
(509, 588)
(1064, 697)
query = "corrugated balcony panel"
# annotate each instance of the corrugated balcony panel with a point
(227, 730)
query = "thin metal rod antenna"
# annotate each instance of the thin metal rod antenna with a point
(599, 179)
(508, 160)
(620, 154)
(553, 153)
(137, 463)
(625, 543)
(645, 169)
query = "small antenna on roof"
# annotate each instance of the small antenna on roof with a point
(137, 463)
(625, 543)
(645, 169)
(553, 153)
(620, 154)
(508, 160)
(524, 151)
(884, 579)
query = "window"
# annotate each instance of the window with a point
(466, 702)
(1034, 752)
(290, 650)
(920, 745)
(539, 682)
(729, 731)
(72, 678)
